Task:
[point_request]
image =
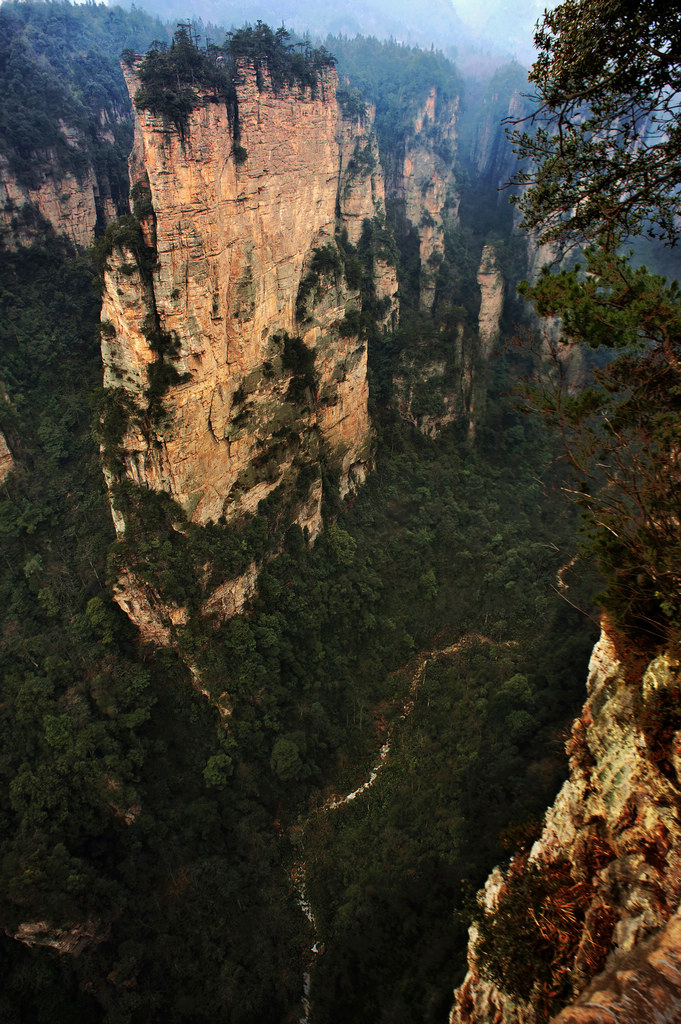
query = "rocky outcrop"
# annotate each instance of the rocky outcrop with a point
(74, 204)
(248, 292)
(361, 189)
(431, 394)
(71, 940)
(431, 387)
(504, 100)
(423, 183)
(6, 460)
(491, 282)
(606, 870)
(641, 987)
(423, 396)
(141, 602)
(67, 203)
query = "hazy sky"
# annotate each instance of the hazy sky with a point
(504, 21)
(476, 13)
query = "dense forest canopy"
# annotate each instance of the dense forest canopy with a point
(402, 21)
(479, 37)
(601, 152)
(396, 78)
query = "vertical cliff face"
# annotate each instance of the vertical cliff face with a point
(249, 293)
(474, 363)
(73, 202)
(457, 380)
(601, 887)
(433, 381)
(423, 184)
(502, 100)
(492, 155)
(491, 282)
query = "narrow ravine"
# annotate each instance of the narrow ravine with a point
(332, 802)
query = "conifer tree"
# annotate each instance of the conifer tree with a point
(603, 163)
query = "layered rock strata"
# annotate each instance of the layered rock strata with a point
(249, 290)
(611, 846)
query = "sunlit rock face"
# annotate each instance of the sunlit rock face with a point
(615, 828)
(641, 987)
(246, 257)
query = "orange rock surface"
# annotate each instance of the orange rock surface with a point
(234, 241)
(616, 823)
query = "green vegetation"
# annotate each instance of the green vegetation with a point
(124, 800)
(59, 66)
(176, 80)
(299, 359)
(621, 434)
(480, 751)
(126, 234)
(603, 166)
(113, 809)
(604, 155)
(422, 363)
(126, 803)
(532, 944)
(327, 262)
(396, 78)
(286, 62)
(352, 103)
(128, 806)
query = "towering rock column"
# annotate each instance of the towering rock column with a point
(243, 320)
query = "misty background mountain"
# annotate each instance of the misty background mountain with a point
(471, 32)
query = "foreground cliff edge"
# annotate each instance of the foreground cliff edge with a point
(231, 333)
(590, 916)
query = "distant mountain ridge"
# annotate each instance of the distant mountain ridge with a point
(403, 21)
(504, 29)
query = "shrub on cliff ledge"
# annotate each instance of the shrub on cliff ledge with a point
(275, 52)
(621, 433)
(175, 81)
(530, 940)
